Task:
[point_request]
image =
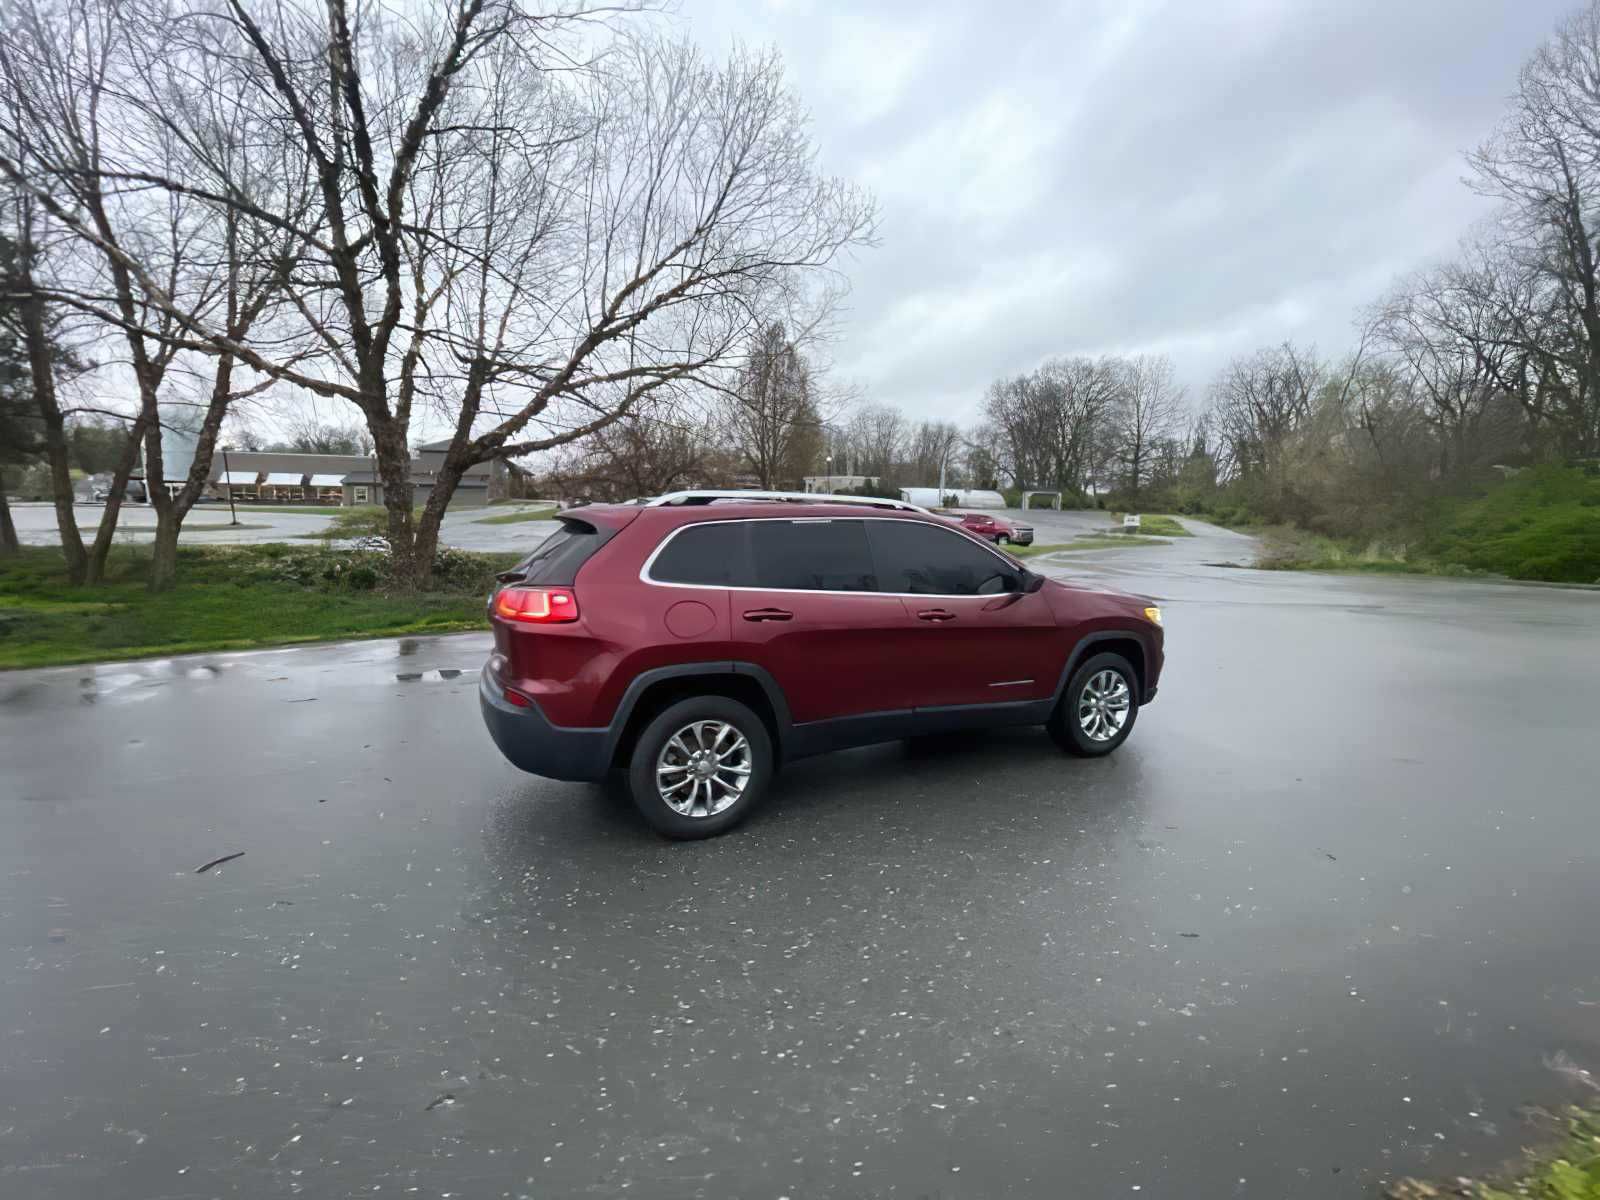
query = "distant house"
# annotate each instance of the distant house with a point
(481, 482)
(285, 477)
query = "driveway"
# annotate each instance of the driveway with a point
(1327, 918)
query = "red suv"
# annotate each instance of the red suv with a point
(698, 640)
(998, 530)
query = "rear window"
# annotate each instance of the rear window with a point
(812, 556)
(707, 555)
(557, 559)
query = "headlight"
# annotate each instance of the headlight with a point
(1153, 613)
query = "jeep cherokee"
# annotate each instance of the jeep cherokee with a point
(699, 639)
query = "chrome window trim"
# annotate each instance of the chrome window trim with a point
(644, 570)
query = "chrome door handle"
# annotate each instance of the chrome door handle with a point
(936, 614)
(768, 614)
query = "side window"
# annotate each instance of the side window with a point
(812, 556)
(713, 555)
(924, 560)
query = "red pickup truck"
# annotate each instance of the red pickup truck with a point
(999, 530)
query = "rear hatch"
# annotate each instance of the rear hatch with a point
(541, 642)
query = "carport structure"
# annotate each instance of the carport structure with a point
(326, 489)
(283, 486)
(239, 485)
(1027, 499)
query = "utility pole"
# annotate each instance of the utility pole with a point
(228, 476)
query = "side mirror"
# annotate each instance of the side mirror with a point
(1030, 582)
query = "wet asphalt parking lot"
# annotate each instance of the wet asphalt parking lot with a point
(1328, 918)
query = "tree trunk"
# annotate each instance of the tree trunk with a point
(41, 366)
(427, 536)
(164, 554)
(9, 545)
(394, 468)
(164, 562)
(96, 565)
(171, 511)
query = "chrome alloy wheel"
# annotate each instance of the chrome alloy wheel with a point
(703, 768)
(1104, 705)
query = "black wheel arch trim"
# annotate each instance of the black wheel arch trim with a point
(1087, 643)
(645, 680)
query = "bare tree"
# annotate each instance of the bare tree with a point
(931, 450)
(1258, 401)
(1544, 163)
(770, 418)
(150, 263)
(877, 435)
(25, 302)
(1145, 414)
(1051, 423)
(311, 436)
(638, 456)
(532, 242)
(1453, 351)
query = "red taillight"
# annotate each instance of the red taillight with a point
(538, 606)
(515, 697)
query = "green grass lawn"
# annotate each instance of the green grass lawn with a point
(1569, 1171)
(226, 598)
(537, 514)
(1541, 524)
(1156, 525)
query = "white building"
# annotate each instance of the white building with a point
(965, 497)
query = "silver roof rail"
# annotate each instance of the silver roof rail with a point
(705, 496)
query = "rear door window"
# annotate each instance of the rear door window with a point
(917, 559)
(714, 555)
(812, 556)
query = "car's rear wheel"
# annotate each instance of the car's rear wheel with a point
(1096, 712)
(700, 766)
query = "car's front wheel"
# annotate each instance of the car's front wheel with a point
(1096, 712)
(700, 766)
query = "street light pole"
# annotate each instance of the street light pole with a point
(227, 476)
(830, 474)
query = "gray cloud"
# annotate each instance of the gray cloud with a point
(1194, 178)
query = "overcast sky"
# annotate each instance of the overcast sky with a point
(1195, 177)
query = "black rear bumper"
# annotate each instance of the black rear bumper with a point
(530, 742)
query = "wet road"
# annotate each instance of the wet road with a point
(1328, 917)
(207, 525)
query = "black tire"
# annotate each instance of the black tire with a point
(1001, 539)
(1065, 725)
(647, 750)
